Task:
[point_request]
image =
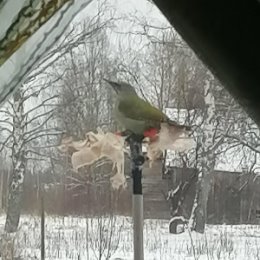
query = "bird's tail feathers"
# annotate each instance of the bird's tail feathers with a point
(174, 123)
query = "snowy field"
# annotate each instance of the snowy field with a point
(111, 238)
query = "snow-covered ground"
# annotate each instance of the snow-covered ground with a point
(90, 239)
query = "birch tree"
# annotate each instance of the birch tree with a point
(206, 164)
(22, 125)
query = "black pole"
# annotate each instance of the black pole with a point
(42, 223)
(137, 160)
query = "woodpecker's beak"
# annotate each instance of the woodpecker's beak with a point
(116, 86)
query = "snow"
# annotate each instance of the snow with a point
(80, 238)
(180, 115)
(172, 193)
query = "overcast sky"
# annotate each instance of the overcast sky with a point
(125, 7)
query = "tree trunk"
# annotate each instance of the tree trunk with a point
(7, 246)
(205, 164)
(15, 192)
(15, 200)
(201, 200)
(1, 189)
(18, 157)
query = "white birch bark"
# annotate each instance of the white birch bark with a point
(205, 164)
(17, 179)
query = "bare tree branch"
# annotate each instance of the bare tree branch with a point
(242, 142)
(41, 104)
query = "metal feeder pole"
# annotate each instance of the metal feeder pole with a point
(137, 160)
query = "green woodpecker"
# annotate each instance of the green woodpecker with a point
(137, 115)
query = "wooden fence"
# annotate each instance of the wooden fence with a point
(234, 197)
